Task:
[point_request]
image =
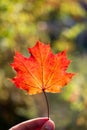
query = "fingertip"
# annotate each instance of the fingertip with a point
(49, 125)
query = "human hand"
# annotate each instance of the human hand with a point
(35, 124)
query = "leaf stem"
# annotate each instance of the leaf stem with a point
(46, 103)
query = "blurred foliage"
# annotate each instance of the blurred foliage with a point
(63, 23)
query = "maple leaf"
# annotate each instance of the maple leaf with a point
(42, 71)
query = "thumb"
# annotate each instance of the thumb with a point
(49, 125)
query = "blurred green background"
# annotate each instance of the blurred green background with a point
(63, 24)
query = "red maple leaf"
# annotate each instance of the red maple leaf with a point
(42, 71)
